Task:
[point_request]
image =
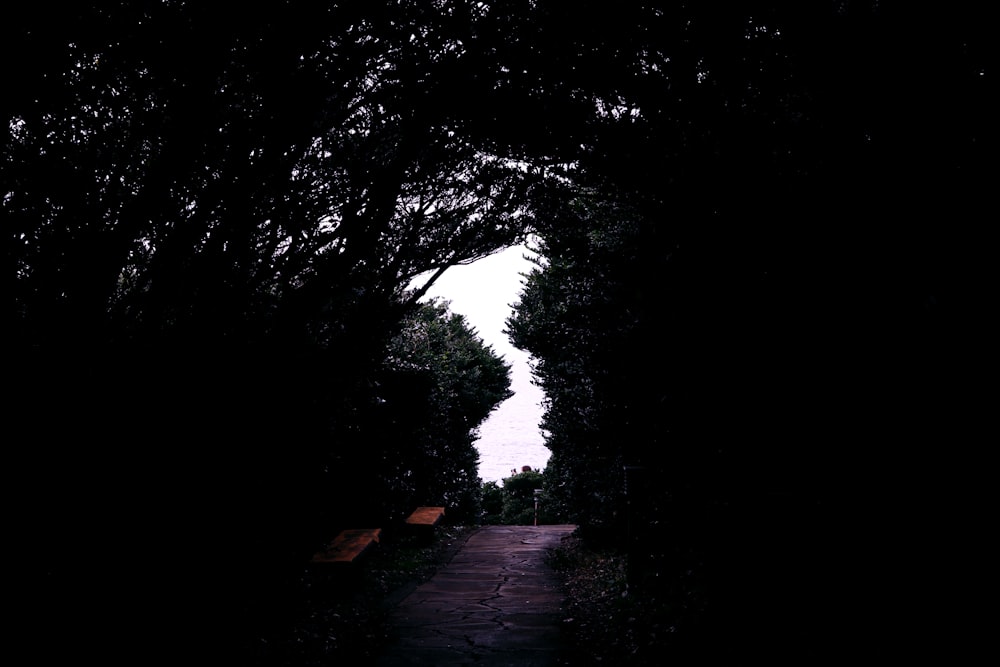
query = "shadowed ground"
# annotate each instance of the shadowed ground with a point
(497, 602)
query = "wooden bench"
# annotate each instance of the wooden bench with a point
(348, 546)
(426, 516)
(423, 520)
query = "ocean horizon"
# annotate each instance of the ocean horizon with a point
(483, 292)
(511, 436)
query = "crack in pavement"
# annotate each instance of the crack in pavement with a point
(497, 599)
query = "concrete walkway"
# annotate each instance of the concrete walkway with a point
(497, 602)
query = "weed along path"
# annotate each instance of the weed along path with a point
(497, 602)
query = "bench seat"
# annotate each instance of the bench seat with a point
(425, 516)
(348, 546)
(422, 521)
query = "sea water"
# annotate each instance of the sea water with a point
(511, 436)
(483, 292)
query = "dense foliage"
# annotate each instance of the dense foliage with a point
(440, 384)
(520, 500)
(758, 318)
(764, 292)
(211, 220)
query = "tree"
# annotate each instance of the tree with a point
(792, 272)
(439, 382)
(210, 222)
(203, 192)
(580, 315)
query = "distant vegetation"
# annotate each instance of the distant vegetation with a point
(520, 500)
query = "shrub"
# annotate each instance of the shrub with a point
(491, 503)
(524, 499)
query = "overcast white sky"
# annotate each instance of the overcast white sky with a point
(484, 291)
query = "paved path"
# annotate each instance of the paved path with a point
(495, 603)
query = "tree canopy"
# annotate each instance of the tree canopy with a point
(762, 279)
(211, 221)
(438, 384)
(762, 292)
